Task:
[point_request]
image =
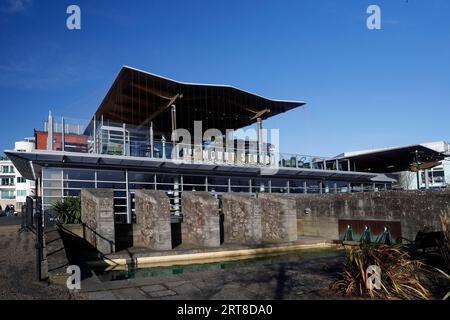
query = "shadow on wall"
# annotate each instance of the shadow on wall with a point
(175, 229)
(78, 250)
(124, 234)
(222, 232)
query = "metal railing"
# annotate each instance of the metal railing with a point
(137, 141)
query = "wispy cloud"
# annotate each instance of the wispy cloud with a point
(16, 6)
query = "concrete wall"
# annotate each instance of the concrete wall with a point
(318, 214)
(97, 214)
(279, 218)
(242, 218)
(152, 228)
(201, 220)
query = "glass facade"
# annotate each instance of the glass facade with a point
(58, 183)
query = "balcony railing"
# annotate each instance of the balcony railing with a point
(137, 141)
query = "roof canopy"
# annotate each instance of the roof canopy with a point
(392, 159)
(138, 98)
(30, 165)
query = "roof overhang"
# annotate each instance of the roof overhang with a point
(390, 160)
(29, 164)
(138, 97)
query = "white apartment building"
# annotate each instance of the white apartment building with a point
(7, 183)
(14, 189)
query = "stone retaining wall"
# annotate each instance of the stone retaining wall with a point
(242, 218)
(201, 220)
(318, 215)
(279, 218)
(152, 228)
(97, 214)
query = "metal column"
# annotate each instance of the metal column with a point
(260, 138)
(129, 218)
(124, 140)
(95, 133)
(173, 114)
(50, 132)
(63, 133)
(151, 139)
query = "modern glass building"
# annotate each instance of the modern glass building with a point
(150, 132)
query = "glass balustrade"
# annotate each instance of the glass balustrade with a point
(118, 139)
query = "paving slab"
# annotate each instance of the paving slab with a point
(153, 288)
(162, 294)
(130, 294)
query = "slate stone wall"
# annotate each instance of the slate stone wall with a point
(97, 215)
(278, 217)
(242, 218)
(416, 210)
(201, 220)
(152, 228)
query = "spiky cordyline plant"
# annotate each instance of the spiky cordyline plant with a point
(399, 274)
(68, 210)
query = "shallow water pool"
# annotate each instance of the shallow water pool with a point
(143, 272)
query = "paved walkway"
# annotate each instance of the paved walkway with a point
(290, 280)
(18, 266)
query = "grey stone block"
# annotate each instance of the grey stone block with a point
(97, 215)
(201, 220)
(415, 210)
(279, 218)
(152, 228)
(242, 218)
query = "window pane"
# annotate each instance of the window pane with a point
(52, 184)
(111, 176)
(79, 174)
(52, 174)
(52, 193)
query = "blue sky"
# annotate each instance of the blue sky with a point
(364, 88)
